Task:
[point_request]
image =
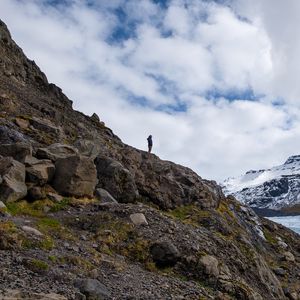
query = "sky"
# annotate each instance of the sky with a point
(214, 82)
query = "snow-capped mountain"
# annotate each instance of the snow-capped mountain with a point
(273, 188)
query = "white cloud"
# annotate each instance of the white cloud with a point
(177, 54)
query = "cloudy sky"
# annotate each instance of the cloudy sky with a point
(214, 82)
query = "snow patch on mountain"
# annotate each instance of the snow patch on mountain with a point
(273, 188)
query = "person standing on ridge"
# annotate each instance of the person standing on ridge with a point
(150, 143)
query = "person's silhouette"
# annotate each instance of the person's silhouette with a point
(150, 143)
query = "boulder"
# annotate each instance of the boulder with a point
(18, 151)
(116, 179)
(138, 219)
(210, 265)
(92, 289)
(13, 185)
(56, 151)
(104, 196)
(164, 254)
(40, 171)
(75, 176)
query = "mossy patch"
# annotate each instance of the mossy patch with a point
(24, 208)
(37, 265)
(60, 205)
(46, 243)
(189, 214)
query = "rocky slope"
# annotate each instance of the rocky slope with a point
(275, 188)
(84, 216)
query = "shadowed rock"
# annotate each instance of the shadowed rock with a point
(13, 185)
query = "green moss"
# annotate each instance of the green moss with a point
(38, 265)
(270, 237)
(223, 209)
(45, 223)
(46, 243)
(79, 262)
(25, 208)
(189, 214)
(7, 226)
(60, 205)
(138, 250)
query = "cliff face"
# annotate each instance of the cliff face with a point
(84, 216)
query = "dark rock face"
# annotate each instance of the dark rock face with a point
(13, 185)
(18, 151)
(116, 179)
(165, 254)
(75, 176)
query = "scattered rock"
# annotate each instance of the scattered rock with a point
(75, 176)
(13, 185)
(164, 254)
(18, 151)
(210, 265)
(92, 289)
(31, 230)
(104, 196)
(87, 148)
(138, 219)
(2, 205)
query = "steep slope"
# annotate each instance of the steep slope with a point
(274, 188)
(84, 216)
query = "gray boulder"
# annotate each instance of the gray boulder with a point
(164, 254)
(104, 196)
(116, 179)
(138, 219)
(19, 151)
(56, 151)
(210, 265)
(93, 289)
(39, 171)
(75, 176)
(13, 185)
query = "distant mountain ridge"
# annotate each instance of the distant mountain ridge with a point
(274, 188)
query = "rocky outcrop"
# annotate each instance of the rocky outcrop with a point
(13, 185)
(75, 176)
(170, 185)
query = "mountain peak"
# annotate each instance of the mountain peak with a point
(293, 159)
